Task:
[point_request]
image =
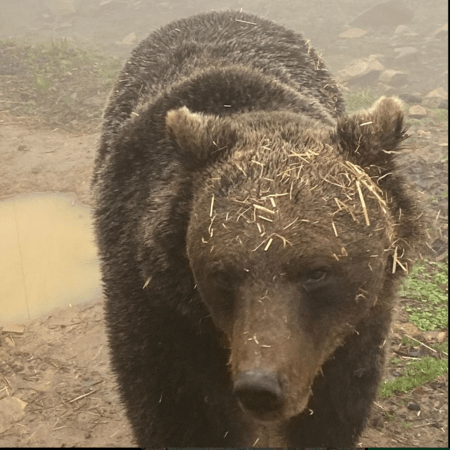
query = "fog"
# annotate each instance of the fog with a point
(119, 24)
(58, 60)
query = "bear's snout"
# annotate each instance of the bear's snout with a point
(259, 391)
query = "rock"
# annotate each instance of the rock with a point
(11, 328)
(11, 411)
(435, 336)
(441, 336)
(423, 134)
(414, 406)
(362, 72)
(129, 39)
(106, 7)
(65, 25)
(407, 328)
(431, 336)
(417, 112)
(406, 55)
(413, 99)
(393, 78)
(443, 104)
(439, 93)
(353, 33)
(403, 30)
(387, 14)
(436, 98)
(386, 90)
(441, 32)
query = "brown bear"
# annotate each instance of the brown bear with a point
(251, 235)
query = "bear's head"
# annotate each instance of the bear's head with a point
(297, 231)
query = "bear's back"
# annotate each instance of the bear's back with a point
(219, 39)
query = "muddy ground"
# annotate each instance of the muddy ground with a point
(56, 366)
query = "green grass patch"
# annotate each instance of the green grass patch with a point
(390, 416)
(50, 60)
(57, 80)
(408, 341)
(427, 284)
(414, 374)
(359, 100)
(441, 114)
(441, 347)
(411, 122)
(442, 196)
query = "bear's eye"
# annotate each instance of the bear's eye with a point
(315, 277)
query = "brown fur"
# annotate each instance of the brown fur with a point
(245, 223)
(275, 204)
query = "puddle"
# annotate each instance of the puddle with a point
(48, 257)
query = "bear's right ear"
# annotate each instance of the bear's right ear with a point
(200, 138)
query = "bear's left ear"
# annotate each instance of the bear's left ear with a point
(200, 138)
(368, 138)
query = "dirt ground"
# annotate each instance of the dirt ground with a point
(57, 365)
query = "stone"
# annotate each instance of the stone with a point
(362, 72)
(406, 55)
(394, 78)
(387, 14)
(353, 33)
(11, 411)
(417, 112)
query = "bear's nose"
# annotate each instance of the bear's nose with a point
(259, 391)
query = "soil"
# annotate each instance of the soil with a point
(58, 364)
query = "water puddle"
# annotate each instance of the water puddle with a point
(48, 257)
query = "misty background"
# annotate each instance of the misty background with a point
(119, 25)
(58, 61)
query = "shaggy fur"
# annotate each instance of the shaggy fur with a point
(244, 222)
